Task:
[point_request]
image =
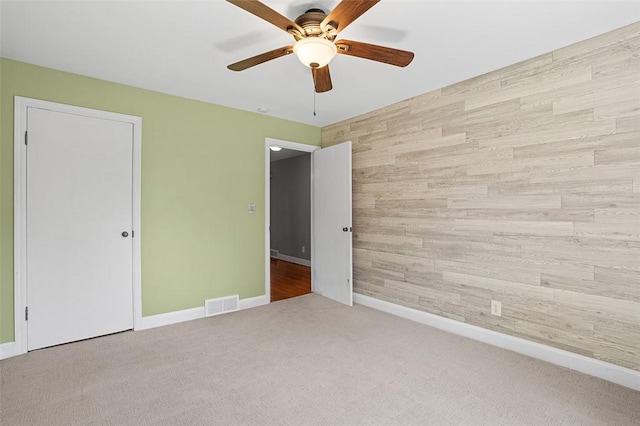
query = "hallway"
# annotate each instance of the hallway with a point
(289, 280)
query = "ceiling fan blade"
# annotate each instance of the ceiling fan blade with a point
(259, 59)
(322, 79)
(346, 12)
(400, 58)
(265, 12)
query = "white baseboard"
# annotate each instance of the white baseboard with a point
(193, 313)
(604, 370)
(254, 302)
(9, 349)
(168, 318)
(296, 260)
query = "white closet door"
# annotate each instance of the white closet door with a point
(332, 243)
(79, 227)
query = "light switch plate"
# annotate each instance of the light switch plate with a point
(252, 208)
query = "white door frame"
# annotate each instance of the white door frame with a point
(21, 105)
(269, 142)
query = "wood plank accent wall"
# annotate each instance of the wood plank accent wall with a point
(522, 186)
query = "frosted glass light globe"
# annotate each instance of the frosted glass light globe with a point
(315, 52)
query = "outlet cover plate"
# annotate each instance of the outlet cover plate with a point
(496, 308)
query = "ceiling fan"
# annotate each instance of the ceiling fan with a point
(315, 33)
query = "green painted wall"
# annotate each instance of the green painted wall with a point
(201, 165)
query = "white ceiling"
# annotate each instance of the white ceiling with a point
(183, 47)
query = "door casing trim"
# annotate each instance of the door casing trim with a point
(21, 105)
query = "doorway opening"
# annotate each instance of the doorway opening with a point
(288, 219)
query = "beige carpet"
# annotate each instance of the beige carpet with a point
(300, 361)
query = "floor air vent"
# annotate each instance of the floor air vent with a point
(275, 253)
(221, 305)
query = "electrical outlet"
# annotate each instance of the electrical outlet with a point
(496, 308)
(303, 249)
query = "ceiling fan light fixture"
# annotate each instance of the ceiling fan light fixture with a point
(315, 52)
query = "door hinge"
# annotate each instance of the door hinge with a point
(26, 313)
(26, 137)
(133, 233)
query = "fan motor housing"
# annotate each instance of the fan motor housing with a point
(310, 22)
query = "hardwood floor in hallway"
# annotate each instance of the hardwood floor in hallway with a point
(289, 280)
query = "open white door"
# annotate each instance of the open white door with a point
(332, 247)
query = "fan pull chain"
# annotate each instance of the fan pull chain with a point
(314, 102)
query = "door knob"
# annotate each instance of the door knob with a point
(345, 229)
(125, 234)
